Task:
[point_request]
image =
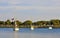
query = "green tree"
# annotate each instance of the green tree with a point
(41, 23)
(56, 23)
(1, 22)
(8, 22)
(28, 22)
(18, 22)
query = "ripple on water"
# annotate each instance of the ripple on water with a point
(28, 30)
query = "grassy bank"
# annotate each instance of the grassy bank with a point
(27, 26)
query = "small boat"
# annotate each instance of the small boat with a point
(32, 28)
(50, 27)
(16, 29)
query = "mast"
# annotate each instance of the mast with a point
(16, 28)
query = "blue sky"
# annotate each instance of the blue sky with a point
(30, 9)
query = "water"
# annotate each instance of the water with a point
(28, 33)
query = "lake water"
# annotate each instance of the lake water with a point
(28, 33)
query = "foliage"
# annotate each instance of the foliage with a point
(8, 22)
(28, 23)
(18, 22)
(1, 22)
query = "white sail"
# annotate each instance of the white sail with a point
(32, 28)
(16, 27)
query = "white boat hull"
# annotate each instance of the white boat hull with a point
(16, 29)
(50, 27)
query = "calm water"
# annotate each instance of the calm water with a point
(28, 33)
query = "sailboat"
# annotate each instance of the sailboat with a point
(16, 27)
(50, 27)
(32, 28)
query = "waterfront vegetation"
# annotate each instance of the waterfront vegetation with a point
(55, 23)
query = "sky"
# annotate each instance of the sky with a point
(29, 9)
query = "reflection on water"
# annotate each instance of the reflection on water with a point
(15, 34)
(28, 33)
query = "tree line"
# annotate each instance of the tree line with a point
(55, 23)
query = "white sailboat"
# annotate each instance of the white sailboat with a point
(50, 27)
(16, 27)
(32, 28)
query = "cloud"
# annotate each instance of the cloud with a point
(26, 8)
(30, 8)
(32, 2)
